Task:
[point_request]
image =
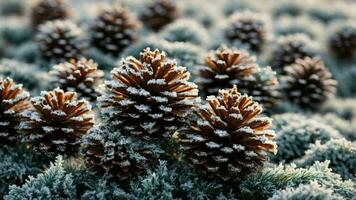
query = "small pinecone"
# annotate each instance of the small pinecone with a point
(56, 123)
(49, 10)
(343, 42)
(229, 139)
(159, 13)
(289, 49)
(80, 76)
(110, 153)
(148, 96)
(113, 30)
(60, 40)
(13, 101)
(308, 82)
(224, 68)
(248, 29)
(263, 86)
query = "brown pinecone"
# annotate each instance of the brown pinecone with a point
(224, 68)
(80, 76)
(308, 82)
(229, 139)
(159, 13)
(289, 49)
(13, 101)
(149, 96)
(247, 29)
(108, 152)
(113, 30)
(56, 123)
(60, 40)
(49, 10)
(343, 41)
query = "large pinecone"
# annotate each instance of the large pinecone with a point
(148, 96)
(56, 123)
(111, 153)
(248, 29)
(13, 101)
(113, 30)
(229, 139)
(289, 49)
(159, 13)
(308, 82)
(48, 10)
(60, 40)
(224, 68)
(343, 42)
(80, 76)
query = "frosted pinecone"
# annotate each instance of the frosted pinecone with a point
(148, 96)
(113, 30)
(288, 49)
(248, 29)
(224, 68)
(13, 101)
(342, 41)
(48, 10)
(81, 76)
(308, 82)
(228, 139)
(159, 13)
(56, 123)
(60, 40)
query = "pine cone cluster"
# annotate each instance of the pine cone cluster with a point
(289, 49)
(248, 29)
(223, 68)
(113, 30)
(149, 96)
(60, 40)
(56, 123)
(80, 76)
(229, 139)
(343, 42)
(159, 13)
(13, 101)
(110, 153)
(308, 82)
(49, 10)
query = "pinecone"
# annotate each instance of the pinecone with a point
(229, 139)
(60, 40)
(49, 10)
(248, 29)
(13, 101)
(308, 82)
(159, 13)
(224, 68)
(263, 86)
(110, 153)
(343, 42)
(113, 30)
(56, 123)
(149, 96)
(80, 76)
(288, 49)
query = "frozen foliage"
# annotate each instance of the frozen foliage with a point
(151, 41)
(310, 191)
(341, 153)
(294, 135)
(15, 165)
(347, 85)
(287, 8)
(187, 55)
(185, 30)
(54, 183)
(263, 184)
(12, 7)
(105, 61)
(15, 33)
(28, 52)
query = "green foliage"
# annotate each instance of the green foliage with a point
(15, 33)
(263, 184)
(344, 108)
(12, 7)
(346, 84)
(341, 153)
(311, 191)
(105, 62)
